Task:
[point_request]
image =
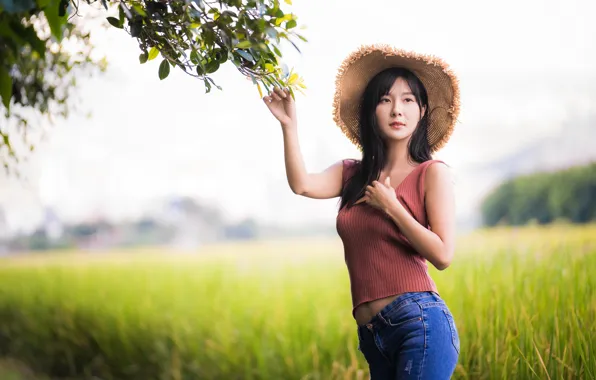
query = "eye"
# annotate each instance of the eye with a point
(409, 100)
(384, 100)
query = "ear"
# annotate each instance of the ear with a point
(423, 112)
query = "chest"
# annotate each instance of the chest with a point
(363, 221)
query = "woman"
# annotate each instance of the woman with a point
(397, 209)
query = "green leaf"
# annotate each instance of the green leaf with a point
(63, 7)
(276, 50)
(244, 45)
(56, 22)
(215, 84)
(143, 57)
(194, 57)
(291, 24)
(121, 15)
(271, 32)
(302, 37)
(17, 32)
(114, 22)
(139, 10)
(136, 27)
(245, 55)
(153, 53)
(212, 67)
(221, 55)
(164, 69)
(229, 13)
(5, 86)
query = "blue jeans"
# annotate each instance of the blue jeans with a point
(413, 337)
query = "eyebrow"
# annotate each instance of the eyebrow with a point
(405, 93)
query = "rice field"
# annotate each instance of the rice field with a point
(524, 300)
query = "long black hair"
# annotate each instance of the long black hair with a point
(374, 149)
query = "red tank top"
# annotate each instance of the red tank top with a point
(380, 260)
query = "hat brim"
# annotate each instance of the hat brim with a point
(362, 65)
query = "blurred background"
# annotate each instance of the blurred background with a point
(162, 166)
(145, 159)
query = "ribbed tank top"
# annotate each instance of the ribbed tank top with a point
(380, 260)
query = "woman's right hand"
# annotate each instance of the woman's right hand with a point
(282, 106)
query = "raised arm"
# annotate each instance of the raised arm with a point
(322, 185)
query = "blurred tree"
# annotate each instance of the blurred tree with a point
(530, 200)
(495, 207)
(38, 73)
(573, 194)
(568, 194)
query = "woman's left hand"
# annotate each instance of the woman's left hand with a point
(380, 195)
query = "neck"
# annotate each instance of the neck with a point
(398, 156)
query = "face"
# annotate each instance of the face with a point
(398, 112)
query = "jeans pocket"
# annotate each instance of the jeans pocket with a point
(453, 329)
(404, 315)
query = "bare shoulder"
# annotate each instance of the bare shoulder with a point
(439, 197)
(439, 191)
(440, 201)
(438, 176)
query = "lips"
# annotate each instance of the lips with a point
(397, 124)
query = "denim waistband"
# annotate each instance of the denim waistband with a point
(379, 319)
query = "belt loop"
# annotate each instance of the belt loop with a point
(380, 316)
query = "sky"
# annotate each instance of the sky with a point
(521, 65)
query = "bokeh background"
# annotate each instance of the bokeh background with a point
(152, 233)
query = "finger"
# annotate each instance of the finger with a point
(267, 99)
(388, 181)
(363, 199)
(275, 96)
(279, 92)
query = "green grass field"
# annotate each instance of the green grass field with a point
(524, 301)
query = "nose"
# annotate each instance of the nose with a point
(396, 110)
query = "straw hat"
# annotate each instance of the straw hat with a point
(363, 64)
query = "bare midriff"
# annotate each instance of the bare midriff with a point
(366, 311)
